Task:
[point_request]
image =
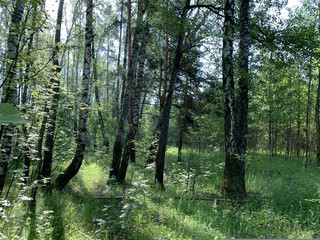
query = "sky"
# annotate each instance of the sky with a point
(291, 4)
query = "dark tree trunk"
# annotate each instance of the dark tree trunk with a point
(163, 82)
(180, 139)
(27, 150)
(10, 89)
(317, 115)
(236, 109)
(55, 85)
(318, 123)
(308, 117)
(165, 112)
(182, 121)
(130, 147)
(76, 163)
(75, 122)
(132, 63)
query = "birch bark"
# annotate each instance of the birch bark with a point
(63, 179)
(10, 89)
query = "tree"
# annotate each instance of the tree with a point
(236, 104)
(52, 111)
(10, 90)
(63, 179)
(137, 90)
(131, 75)
(165, 111)
(318, 113)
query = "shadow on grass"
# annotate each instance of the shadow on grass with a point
(101, 216)
(57, 222)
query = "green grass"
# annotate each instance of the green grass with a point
(288, 207)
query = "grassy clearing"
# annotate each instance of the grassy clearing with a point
(287, 208)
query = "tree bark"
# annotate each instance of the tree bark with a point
(318, 123)
(96, 90)
(118, 144)
(76, 163)
(10, 89)
(308, 117)
(55, 85)
(317, 114)
(116, 105)
(165, 112)
(236, 109)
(182, 121)
(129, 147)
(27, 150)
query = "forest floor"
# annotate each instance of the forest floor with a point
(288, 206)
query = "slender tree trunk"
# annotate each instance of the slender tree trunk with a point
(163, 83)
(308, 117)
(129, 146)
(75, 123)
(236, 110)
(289, 127)
(55, 85)
(118, 144)
(116, 105)
(27, 150)
(96, 90)
(10, 89)
(180, 139)
(317, 112)
(156, 132)
(165, 112)
(183, 117)
(107, 102)
(318, 123)
(76, 163)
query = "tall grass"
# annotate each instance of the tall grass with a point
(190, 207)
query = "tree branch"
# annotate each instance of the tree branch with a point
(210, 7)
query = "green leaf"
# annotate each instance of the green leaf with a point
(9, 114)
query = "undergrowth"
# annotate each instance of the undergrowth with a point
(190, 207)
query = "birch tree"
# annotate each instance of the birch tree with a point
(55, 85)
(63, 179)
(10, 88)
(132, 63)
(235, 104)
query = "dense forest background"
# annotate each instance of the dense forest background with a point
(159, 119)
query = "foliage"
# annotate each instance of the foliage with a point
(9, 114)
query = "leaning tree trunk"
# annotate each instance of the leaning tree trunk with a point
(10, 89)
(136, 105)
(76, 163)
(118, 144)
(165, 112)
(236, 110)
(55, 85)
